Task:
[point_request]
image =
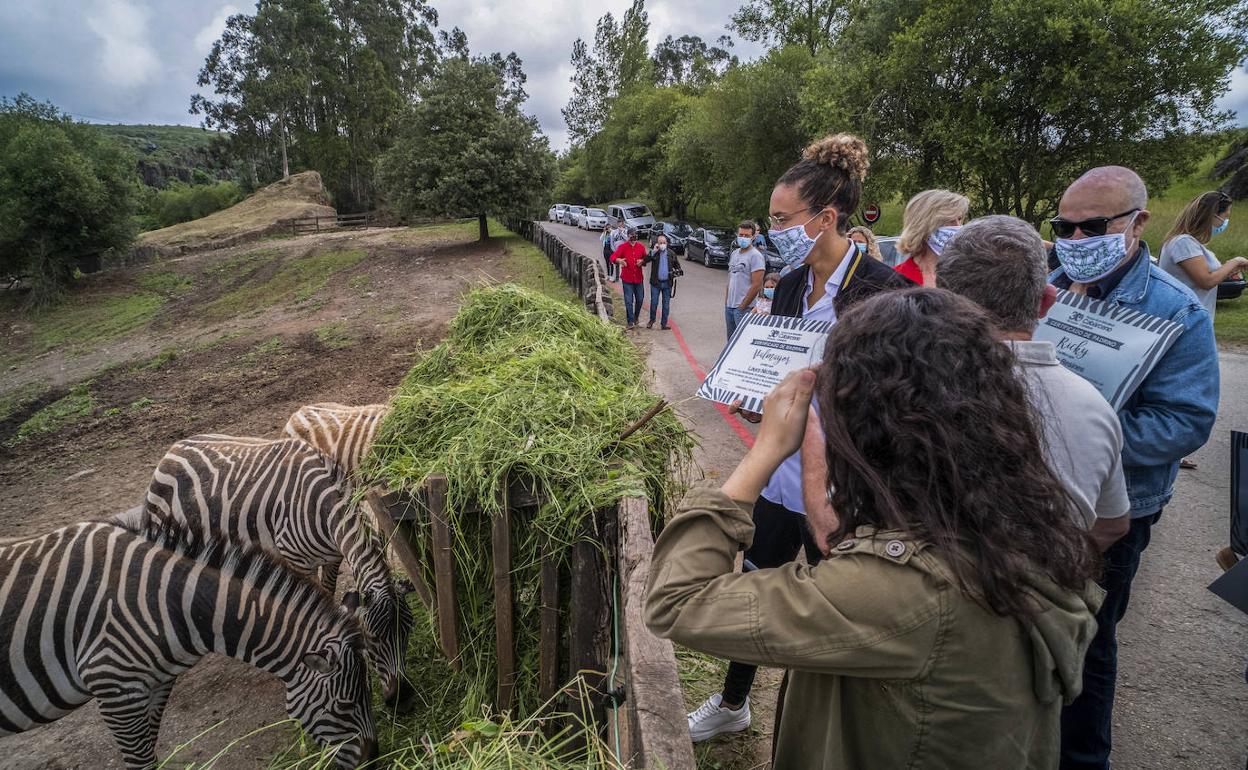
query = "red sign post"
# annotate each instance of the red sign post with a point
(871, 213)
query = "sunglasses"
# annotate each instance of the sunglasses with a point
(1064, 228)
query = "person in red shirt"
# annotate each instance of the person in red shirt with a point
(630, 256)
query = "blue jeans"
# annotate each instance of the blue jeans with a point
(732, 317)
(634, 295)
(661, 289)
(1086, 723)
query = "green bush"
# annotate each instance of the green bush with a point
(181, 202)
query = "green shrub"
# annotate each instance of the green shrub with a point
(181, 202)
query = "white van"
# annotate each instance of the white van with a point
(634, 215)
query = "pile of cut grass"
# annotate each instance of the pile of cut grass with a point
(533, 389)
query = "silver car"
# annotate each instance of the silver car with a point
(591, 219)
(570, 216)
(633, 215)
(556, 212)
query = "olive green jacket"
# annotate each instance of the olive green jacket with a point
(891, 665)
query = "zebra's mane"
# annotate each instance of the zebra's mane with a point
(247, 562)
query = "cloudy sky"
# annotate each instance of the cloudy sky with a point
(135, 61)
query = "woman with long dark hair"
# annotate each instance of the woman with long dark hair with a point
(950, 621)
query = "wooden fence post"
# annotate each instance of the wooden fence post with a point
(399, 536)
(658, 725)
(504, 623)
(443, 569)
(589, 613)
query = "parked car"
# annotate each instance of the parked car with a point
(710, 245)
(676, 232)
(556, 212)
(591, 219)
(633, 215)
(572, 214)
(771, 255)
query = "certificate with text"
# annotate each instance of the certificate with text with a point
(760, 354)
(1114, 348)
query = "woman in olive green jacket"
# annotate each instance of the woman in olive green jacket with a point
(950, 622)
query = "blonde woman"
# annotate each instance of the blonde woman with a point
(1185, 256)
(864, 241)
(930, 220)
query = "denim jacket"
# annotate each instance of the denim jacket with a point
(1172, 413)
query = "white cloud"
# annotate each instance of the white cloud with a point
(126, 59)
(209, 33)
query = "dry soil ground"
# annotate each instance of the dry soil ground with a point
(228, 341)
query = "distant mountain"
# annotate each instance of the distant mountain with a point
(167, 153)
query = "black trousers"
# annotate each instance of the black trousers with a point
(778, 536)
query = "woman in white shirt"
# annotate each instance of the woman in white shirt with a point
(1185, 256)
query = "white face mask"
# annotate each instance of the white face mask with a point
(1088, 260)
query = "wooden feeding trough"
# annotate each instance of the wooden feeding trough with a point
(615, 552)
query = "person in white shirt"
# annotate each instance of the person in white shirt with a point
(1185, 256)
(746, 266)
(810, 209)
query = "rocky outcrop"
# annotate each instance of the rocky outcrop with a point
(1234, 165)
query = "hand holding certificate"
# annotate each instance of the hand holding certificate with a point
(760, 354)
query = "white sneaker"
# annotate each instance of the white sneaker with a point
(712, 718)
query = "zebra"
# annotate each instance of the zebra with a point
(343, 433)
(284, 495)
(99, 610)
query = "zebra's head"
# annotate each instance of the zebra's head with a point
(388, 619)
(328, 693)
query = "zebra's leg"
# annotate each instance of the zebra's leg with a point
(329, 575)
(125, 711)
(157, 701)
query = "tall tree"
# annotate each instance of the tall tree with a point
(619, 60)
(1008, 101)
(66, 191)
(318, 83)
(812, 24)
(467, 148)
(689, 61)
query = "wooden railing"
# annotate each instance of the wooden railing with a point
(304, 225)
(653, 731)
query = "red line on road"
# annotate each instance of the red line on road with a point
(733, 421)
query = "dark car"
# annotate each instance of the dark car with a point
(710, 245)
(677, 233)
(771, 255)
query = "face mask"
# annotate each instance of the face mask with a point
(743, 242)
(937, 240)
(862, 247)
(1221, 227)
(1091, 259)
(769, 292)
(793, 243)
(662, 247)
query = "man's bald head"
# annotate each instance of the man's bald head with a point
(1116, 185)
(1108, 191)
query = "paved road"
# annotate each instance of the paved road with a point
(1182, 699)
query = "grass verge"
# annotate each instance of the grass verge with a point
(78, 404)
(295, 281)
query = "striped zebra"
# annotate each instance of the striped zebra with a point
(344, 433)
(284, 495)
(98, 610)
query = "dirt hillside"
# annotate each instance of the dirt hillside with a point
(261, 214)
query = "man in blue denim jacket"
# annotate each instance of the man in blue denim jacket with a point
(1167, 418)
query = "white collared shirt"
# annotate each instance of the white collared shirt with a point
(785, 485)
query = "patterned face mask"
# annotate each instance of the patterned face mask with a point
(937, 240)
(1217, 230)
(793, 243)
(1088, 260)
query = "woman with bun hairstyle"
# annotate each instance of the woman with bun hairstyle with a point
(810, 208)
(930, 220)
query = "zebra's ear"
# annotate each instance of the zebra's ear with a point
(321, 663)
(404, 587)
(351, 600)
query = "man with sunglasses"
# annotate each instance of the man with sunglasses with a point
(1099, 244)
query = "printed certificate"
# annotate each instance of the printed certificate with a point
(760, 354)
(1113, 348)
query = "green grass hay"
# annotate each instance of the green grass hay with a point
(526, 387)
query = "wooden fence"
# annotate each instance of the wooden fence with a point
(305, 225)
(586, 275)
(615, 552)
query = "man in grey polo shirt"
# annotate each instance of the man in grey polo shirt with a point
(999, 263)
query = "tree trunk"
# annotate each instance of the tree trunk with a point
(483, 226)
(285, 162)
